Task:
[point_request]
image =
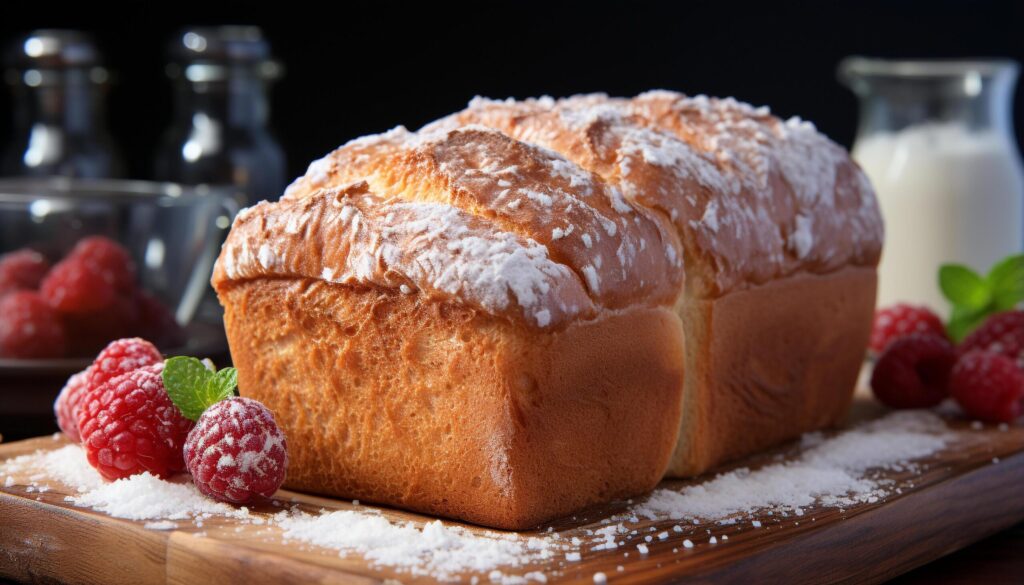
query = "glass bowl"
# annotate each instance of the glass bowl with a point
(172, 232)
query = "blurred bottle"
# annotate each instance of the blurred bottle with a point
(59, 86)
(219, 133)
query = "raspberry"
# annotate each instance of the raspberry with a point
(29, 328)
(22, 270)
(108, 258)
(88, 333)
(236, 452)
(988, 386)
(76, 287)
(157, 322)
(120, 357)
(67, 403)
(1001, 333)
(129, 426)
(913, 371)
(897, 321)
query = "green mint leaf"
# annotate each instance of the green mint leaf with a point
(1006, 281)
(964, 287)
(226, 381)
(192, 387)
(965, 320)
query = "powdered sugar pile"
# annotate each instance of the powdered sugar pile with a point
(825, 472)
(139, 497)
(67, 465)
(147, 497)
(831, 472)
(436, 550)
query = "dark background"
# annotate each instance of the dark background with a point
(354, 69)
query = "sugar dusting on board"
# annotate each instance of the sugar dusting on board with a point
(837, 471)
(434, 549)
(832, 472)
(147, 497)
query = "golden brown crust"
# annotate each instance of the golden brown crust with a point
(447, 410)
(766, 364)
(351, 237)
(754, 198)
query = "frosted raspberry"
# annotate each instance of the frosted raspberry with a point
(76, 287)
(120, 357)
(236, 452)
(67, 403)
(988, 386)
(1001, 333)
(29, 328)
(108, 258)
(22, 270)
(913, 371)
(892, 323)
(129, 426)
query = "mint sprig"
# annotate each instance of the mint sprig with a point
(974, 297)
(193, 387)
(1007, 282)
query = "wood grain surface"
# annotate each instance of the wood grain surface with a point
(966, 492)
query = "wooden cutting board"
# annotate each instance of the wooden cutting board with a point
(968, 491)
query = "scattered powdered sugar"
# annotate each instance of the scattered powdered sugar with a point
(802, 237)
(439, 551)
(147, 497)
(829, 471)
(838, 471)
(67, 465)
(266, 255)
(139, 497)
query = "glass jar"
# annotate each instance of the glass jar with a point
(219, 134)
(936, 139)
(59, 87)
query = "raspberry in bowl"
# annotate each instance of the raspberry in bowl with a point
(112, 259)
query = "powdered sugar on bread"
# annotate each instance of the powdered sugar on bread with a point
(612, 193)
(434, 248)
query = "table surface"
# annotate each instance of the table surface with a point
(997, 560)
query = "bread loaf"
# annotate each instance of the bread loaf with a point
(530, 307)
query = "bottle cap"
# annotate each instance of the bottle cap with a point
(210, 53)
(40, 57)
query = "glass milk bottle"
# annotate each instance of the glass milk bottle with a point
(936, 139)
